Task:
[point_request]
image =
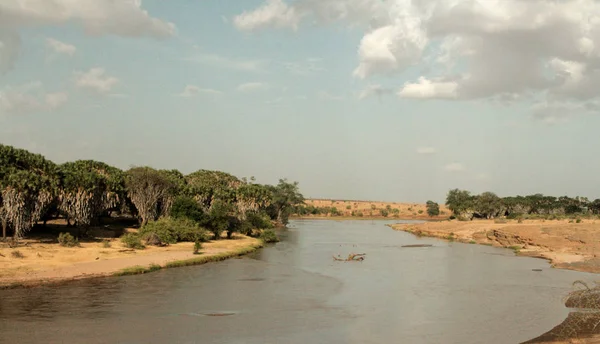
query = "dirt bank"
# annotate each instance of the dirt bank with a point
(573, 246)
(38, 263)
(367, 209)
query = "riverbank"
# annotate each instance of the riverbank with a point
(36, 263)
(567, 245)
(358, 210)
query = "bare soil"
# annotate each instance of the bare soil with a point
(370, 209)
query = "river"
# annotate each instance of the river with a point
(294, 292)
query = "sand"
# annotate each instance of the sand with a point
(372, 209)
(567, 245)
(50, 262)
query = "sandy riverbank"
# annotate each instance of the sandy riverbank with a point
(573, 246)
(41, 263)
(372, 210)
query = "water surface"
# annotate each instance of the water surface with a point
(294, 292)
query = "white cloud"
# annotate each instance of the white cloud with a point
(193, 91)
(482, 49)
(56, 100)
(454, 167)
(426, 150)
(329, 96)
(374, 90)
(60, 47)
(273, 13)
(226, 62)
(123, 18)
(429, 89)
(95, 79)
(251, 86)
(30, 97)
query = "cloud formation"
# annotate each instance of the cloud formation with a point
(30, 98)
(483, 49)
(193, 91)
(96, 80)
(251, 86)
(60, 47)
(454, 167)
(116, 17)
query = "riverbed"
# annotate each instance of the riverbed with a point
(295, 292)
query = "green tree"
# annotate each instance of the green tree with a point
(459, 201)
(28, 185)
(433, 209)
(252, 197)
(488, 205)
(151, 191)
(284, 197)
(186, 207)
(207, 186)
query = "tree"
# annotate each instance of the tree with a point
(459, 201)
(285, 196)
(89, 189)
(488, 205)
(187, 207)
(433, 209)
(28, 185)
(252, 197)
(207, 186)
(151, 191)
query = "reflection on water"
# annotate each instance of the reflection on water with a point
(294, 292)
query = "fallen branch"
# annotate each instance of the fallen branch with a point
(351, 257)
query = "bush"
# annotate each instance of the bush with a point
(268, 236)
(388, 207)
(384, 212)
(197, 247)
(186, 207)
(172, 230)
(360, 214)
(578, 221)
(259, 220)
(420, 211)
(17, 254)
(396, 211)
(105, 243)
(373, 206)
(67, 240)
(348, 207)
(132, 240)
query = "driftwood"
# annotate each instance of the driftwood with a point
(351, 257)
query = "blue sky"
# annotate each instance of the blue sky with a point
(273, 89)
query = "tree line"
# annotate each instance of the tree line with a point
(488, 205)
(34, 189)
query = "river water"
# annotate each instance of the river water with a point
(294, 292)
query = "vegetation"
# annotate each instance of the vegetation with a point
(132, 240)
(433, 209)
(488, 205)
(268, 236)
(169, 206)
(67, 240)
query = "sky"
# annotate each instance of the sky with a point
(393, 100)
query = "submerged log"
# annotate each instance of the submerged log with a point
(351, 257)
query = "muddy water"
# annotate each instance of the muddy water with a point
(294, 292)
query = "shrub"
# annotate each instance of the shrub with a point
(360, 214)
(520, 220)
(348, 207)
(197, 247)
(578, 220)
(384, 212)
(420, 211)
(259, 220)
(67, 240)
(187, 207)
(433, 209)
(132, 240)
(17, 254)
(388, 207)
(172, 230)
(268, 236)
(373, 206)
(105, 243)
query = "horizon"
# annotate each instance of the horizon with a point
(396, 101)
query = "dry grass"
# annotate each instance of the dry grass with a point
(372, 209)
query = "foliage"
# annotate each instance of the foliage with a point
(197, 247)
(171, 230)
(433, 209)
(207, 186)
(186, 207)
(259, 220)
(268, 236)
(285, 195)
(28, 185)
(132, 240)
(151, 191)
(384, 212)
(67, 240)
(218, 220)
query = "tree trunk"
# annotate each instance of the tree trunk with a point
(4, 225)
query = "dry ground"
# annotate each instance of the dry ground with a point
(372, 209)
(41, 258)
(574, 246)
